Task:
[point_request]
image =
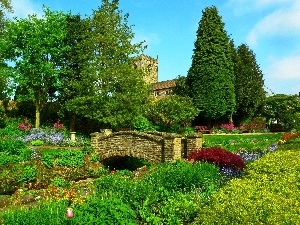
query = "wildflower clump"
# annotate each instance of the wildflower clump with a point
(25, 126)
(57, 125)
(227, 126)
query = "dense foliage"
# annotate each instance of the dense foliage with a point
(34, 45)
(249, 84)
(116, 90)
(5, 6)
(172, 113)
(13, 151)
(167, 194)
(284, 109)
(210, 79)
(267, 195)
(75, 58)
(219, 157)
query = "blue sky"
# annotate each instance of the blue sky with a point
(271, 28)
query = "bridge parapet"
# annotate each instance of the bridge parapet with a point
(154, 147)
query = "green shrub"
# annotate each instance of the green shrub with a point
(184, 176)
(58, 157)
(105, 211)
(16, 175)
(268, 194)
(36, 142)
(154, 203)
(94, 158)
(87, 150)
(11, 131)
(43, 214)
(60, 182)
(2, 123)
(28, 174)
(12, 151)
(13, 147)
(142, 124)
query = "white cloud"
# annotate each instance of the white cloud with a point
(283, 21)
(22, 8)
(241, 7)
(287, 68)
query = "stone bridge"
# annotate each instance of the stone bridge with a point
(154, 147)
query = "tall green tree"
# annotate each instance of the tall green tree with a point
(76, 56)
(249, 84)
(116, 91)
(5, 6)
(210, 79)
(35, 45)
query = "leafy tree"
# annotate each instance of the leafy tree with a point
(249, 84)
(75, 58)
(35, 45)
(210, 79)
(283, 108)
(5, 6)
(172, 113)
(115, 90)
(180, 87)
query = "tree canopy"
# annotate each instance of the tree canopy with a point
(35, 45)
(283, 108)
(249, 84)
(116, 90)
(210, 79)
(172, 113)
(5, 6)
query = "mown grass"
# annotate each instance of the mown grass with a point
(238, 142)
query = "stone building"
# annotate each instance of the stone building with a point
(163, 88)
(150, 66)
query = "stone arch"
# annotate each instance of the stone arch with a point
(154, 147)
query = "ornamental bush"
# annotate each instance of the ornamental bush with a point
(219, 157)
(184, 176)
(268, 194)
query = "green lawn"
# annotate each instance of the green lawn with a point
(237, 142)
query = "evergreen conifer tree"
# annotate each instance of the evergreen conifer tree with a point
(210, 78)
(249, 84)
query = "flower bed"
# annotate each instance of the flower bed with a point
(169, 193)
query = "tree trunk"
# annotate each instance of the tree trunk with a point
(230, 120)
(37, 117)
(72, 123)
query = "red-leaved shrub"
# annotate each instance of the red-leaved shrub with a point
(219, 157)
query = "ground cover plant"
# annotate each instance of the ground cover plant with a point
(267, 194)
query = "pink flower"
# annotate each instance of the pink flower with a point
(69, 213)
(58, 125)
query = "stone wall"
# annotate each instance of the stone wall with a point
(154, 147)
(150, 67)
